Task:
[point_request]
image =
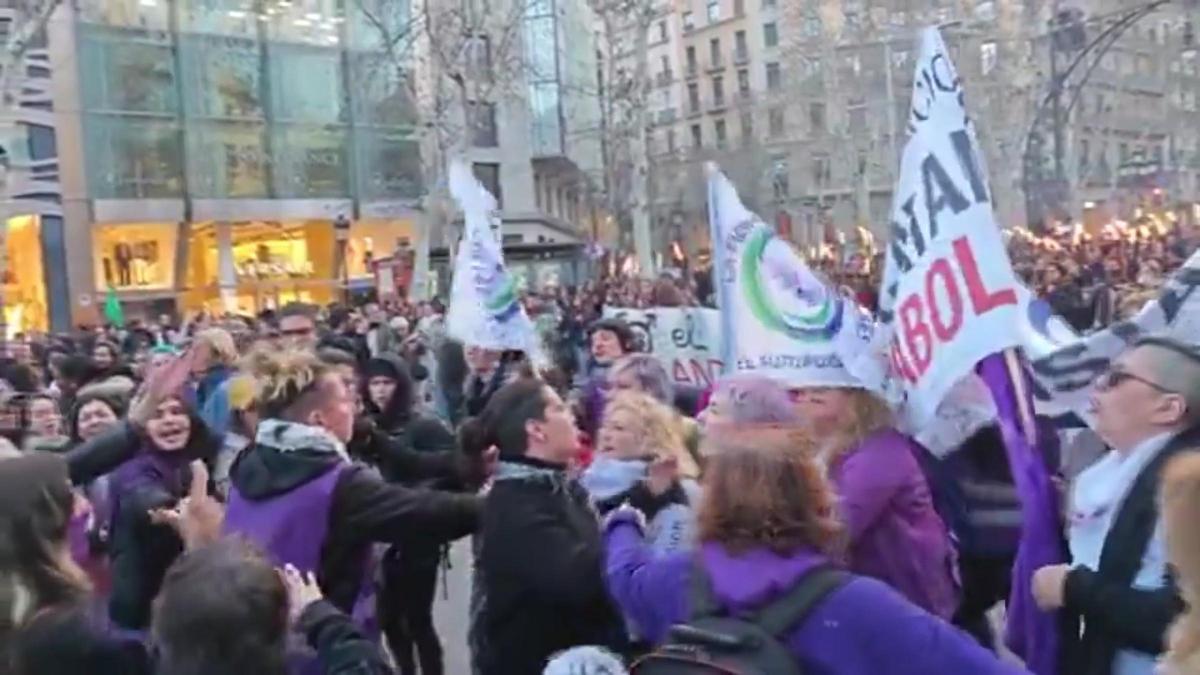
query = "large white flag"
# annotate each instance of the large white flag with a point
(485, 309)
(777, 317)
(949, 295)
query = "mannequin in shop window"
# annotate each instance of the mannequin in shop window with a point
(122, 257)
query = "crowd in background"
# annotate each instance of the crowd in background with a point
(314, 463)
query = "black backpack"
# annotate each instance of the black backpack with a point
(752, 644)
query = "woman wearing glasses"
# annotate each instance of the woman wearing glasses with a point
(1117, 591)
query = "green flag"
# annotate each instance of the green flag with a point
(112, 309)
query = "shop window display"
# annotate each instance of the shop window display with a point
(371, 240)
(273, 263)
(135, 257)
(25, 307)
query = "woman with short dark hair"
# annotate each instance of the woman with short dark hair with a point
(539, 563)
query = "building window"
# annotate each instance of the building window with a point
(741, 51)
(691, 60)
(739, 7)
(987, 57)
(42, 144)
(857, 114)
(693, 97)
(775, 122)
(816, 116)
(714, 52)
(744, 82)
(697, 137)
(714, 11)
(483, 125)
(770, 34)
(689, 22)
(821, 170)
(662, 31)
(479, 55)
(719, 127)
(670, 140)
(780, 183)
(774, 77)
(489, 175)
(747, 120)
(769, 4)
(718, 90)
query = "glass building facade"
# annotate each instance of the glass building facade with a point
(299, 109)
(219, 99)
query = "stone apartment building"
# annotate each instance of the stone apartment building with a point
(804, 105)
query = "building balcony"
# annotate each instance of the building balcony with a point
(692, 70)
(664, 78)
(716, 65)
(741, 57)
(717, 104)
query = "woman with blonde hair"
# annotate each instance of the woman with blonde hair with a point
(213, 357)
(645, 373)
(893, 532)
(637, 433)
(1180, 511)
(769, 533)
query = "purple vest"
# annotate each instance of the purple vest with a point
(291, 527)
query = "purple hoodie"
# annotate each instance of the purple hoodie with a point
(862, 628)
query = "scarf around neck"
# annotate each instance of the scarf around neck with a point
(1098, 494)
(287, 436)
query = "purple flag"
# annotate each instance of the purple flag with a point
(1031, 633)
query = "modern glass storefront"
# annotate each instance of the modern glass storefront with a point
(294, 109)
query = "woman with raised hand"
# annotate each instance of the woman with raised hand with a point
(156, 477)
(767, 520)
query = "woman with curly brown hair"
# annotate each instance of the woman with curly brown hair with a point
(893, 532)
(766, 521)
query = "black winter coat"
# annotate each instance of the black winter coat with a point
(541, 570)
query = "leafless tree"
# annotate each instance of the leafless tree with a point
(625, 118)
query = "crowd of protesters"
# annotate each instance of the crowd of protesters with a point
(276, 494)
